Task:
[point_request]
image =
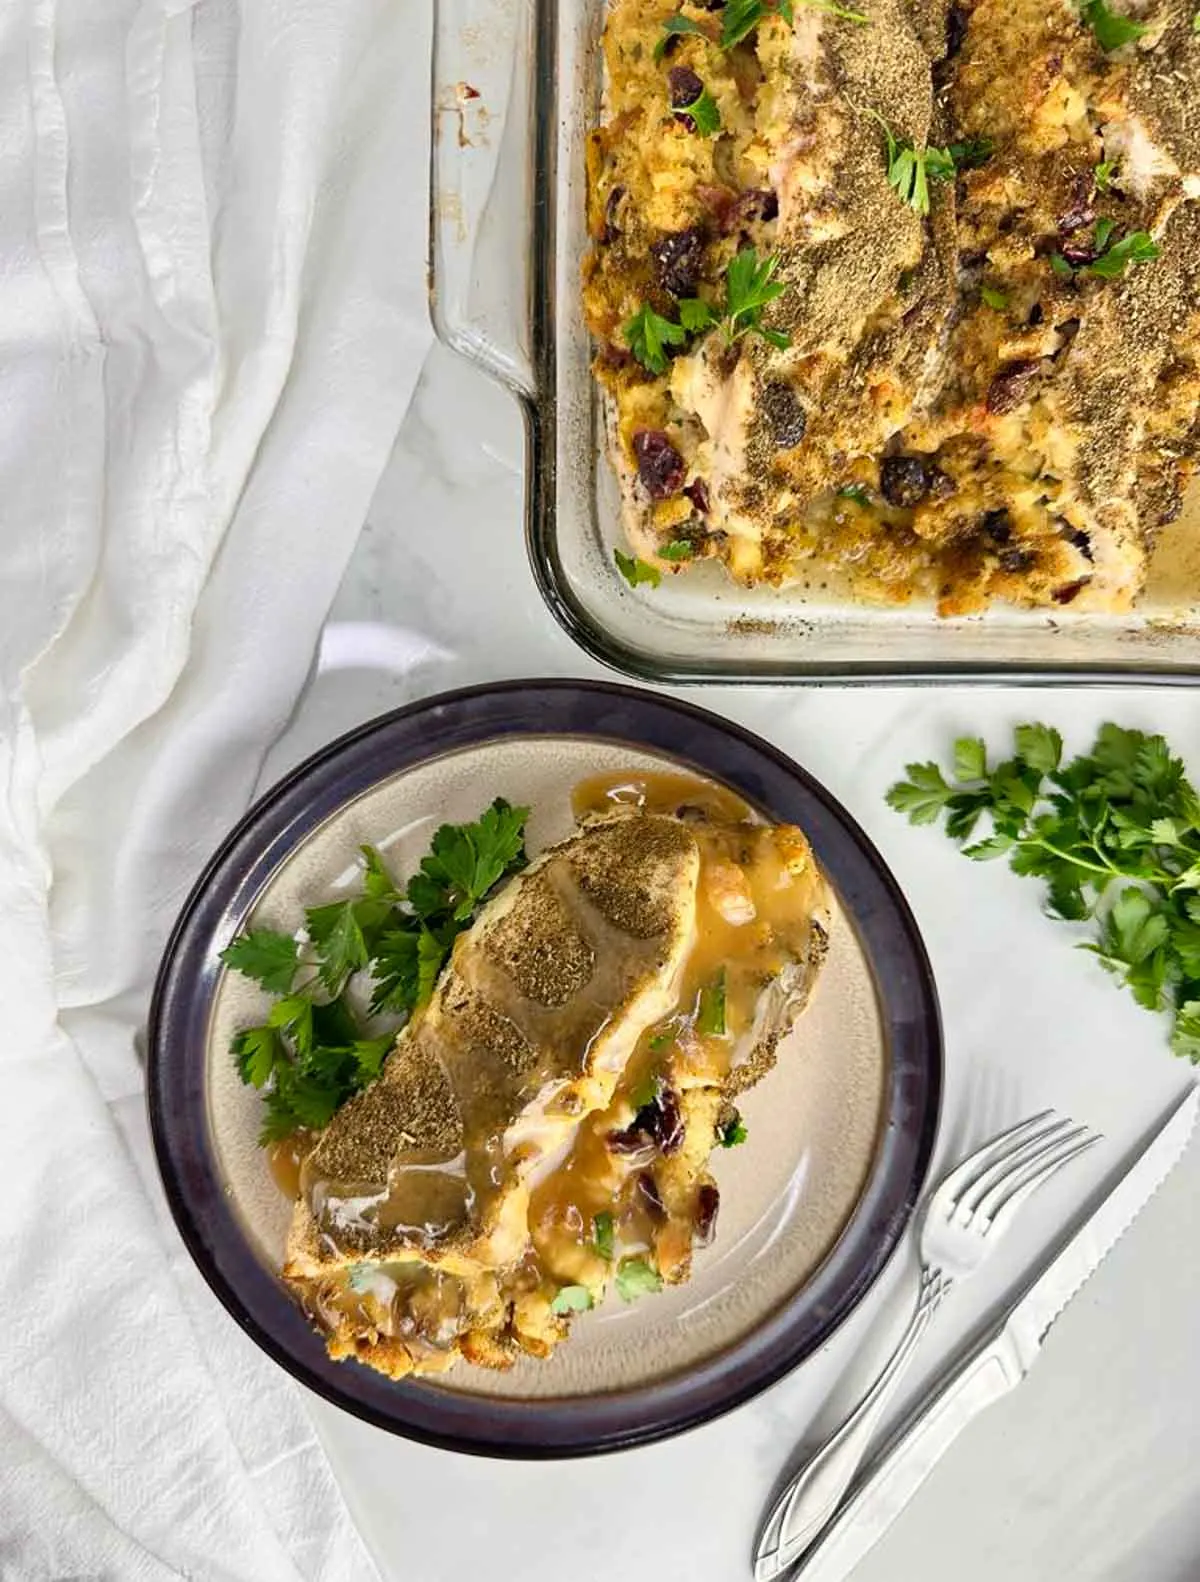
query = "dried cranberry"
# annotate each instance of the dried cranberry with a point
(1016, 560)
(678, 260)
(903, 480)
(997, 526)
(708, 1201)
(1081, 210)
(1008, 389)
(697, 493)
(657, 1127)
(659, 464)
(756, 203)
(1071, 591)
(785, 414)
(1076, 536)
(1077, 253)
(956, 30)
(1036, 315)
(686, 87)
(613, 203)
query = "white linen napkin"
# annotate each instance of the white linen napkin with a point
(212, 316)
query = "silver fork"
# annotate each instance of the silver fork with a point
(966, 1217)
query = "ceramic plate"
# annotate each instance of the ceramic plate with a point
(811, 1207)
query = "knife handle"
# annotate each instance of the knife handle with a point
(986, 1376)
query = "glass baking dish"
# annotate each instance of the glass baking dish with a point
(517, 87)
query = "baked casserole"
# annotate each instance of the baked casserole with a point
(900, 300)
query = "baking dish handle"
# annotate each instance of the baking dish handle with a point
(481, 185)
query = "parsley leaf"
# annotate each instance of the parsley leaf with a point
(673, 28)
(1115, 836)
(710, 1015)
(857, 492)
(256, 1050)
(702, 113)
(1112, 30)
(1139, 247)
(466, 862)
(1103, 174)
(677, 549)
(378, 884)
(646, 1091)
(743, 16)
(636, 1277)
(993, 298)
(337, 937)
(572, 1299)
(749, 287)
(602, 1235)
(696, 315)
(635, 571)
(732, 1132)
(269, 958)
(910, 170)
(648, 334)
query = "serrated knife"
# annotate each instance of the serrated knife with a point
(999, 1363)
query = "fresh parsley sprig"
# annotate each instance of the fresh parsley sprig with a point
(741, 17)
(1115, 835)
(636, 571)
(314, 1050)
(750, 286)
(1112, 30)
(910, 170)
(648, 334)
(1111, 258)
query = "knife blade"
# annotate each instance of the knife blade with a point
(998, 1364)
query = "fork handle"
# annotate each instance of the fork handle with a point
(813, 1495)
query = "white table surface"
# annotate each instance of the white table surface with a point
(1091, 1469)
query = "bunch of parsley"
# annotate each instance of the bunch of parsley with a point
(315, 1049)
(1114, 833)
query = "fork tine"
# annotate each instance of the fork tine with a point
(1028, 1153)
(1002, 1211)
(997, 1148)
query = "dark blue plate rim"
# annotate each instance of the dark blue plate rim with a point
(452, 722)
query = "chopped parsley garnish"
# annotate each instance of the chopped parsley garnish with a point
(1110, 258)
(648, 334)
(677, 549)
(1114, 834)
(857, 492)
(732, 1132)
(750, 286)
(315, 1050)
(675, 27)
(910, 170)
(710, 1014)
(702, 113)
(635, 571)
(602, 1235)
(993, 298)
(1112, 30)
(1139, 247)
(743, 16)
(572, 1299)
(1103, 174)
(636, 1277)
(647, 1090)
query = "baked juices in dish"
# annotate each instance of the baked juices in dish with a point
(539, 1136)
